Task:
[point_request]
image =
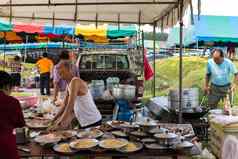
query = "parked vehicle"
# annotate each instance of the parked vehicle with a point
(127, 65)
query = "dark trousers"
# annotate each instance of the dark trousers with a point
(45, 83)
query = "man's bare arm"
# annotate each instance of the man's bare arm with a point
(207, 80)
(63, 106)
(73, 91)
(56, 91)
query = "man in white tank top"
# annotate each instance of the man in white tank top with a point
(77, 103)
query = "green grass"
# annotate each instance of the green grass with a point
(167, 76)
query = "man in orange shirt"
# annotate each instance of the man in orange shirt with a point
(45, 67)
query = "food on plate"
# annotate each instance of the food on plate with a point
(129, 125)
(119, 133)
(179, 129)
(148, 140)
(63, 148)
(37, 123)
(105, 127)
(93, 133)
(138, 133)
(84, 143)
(155, 146)
(65, 134)
(48, 138)
(115, 122)
(131, 147)
(113, 143)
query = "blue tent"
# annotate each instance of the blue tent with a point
(208, 29)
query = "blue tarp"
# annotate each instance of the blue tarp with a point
(216, 28)
(59, 30)
(208, 29)
(60, 45)
(36, 46)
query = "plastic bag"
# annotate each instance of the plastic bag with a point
(207, 155)
(46, 106)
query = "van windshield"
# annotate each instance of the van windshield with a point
(102, 61)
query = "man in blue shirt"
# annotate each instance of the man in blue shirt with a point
(220, 72)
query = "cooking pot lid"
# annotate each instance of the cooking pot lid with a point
(158, 130)
(166, 135)
(184, 144)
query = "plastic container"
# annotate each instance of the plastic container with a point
(129, 92)
(97, 88)
(111, 82)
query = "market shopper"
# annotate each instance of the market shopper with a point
(11, 117)
(16, 68)
(45, 67)
(218, 82)
(78, 102)
(59, 83)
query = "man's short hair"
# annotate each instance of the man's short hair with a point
(67, 64)
(17, 58)
(5, 80)
(45, 54)
(70, 67)
(64, 55)
(218, 50)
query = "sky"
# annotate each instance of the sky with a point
(219, 7)
(211, 7)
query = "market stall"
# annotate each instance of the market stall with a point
(111, 139)
(172, 140)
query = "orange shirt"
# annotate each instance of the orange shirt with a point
(45, 65)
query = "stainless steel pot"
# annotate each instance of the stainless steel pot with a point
(147, 125)
(158, 130)
(166, 139)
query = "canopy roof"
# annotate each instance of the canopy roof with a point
(216, 28)
(208, 29)
(85, 11)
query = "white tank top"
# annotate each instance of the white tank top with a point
(86, 110)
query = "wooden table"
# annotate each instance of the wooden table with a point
(39, 151)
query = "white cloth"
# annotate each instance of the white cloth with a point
(224, 119)
(86, 110)
(230, 148)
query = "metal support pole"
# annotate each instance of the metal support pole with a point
(154, 38)
(53, 19)
(10, 17)
(25, 48)
(63, 40)
(139, 20)
(4, 51)
(143, 46)
(180, 59)
(76, 11)
(118, 21)
(96, 20)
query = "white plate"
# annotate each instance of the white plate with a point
(110, 143)
(74, 144)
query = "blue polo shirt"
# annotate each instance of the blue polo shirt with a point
(221, 74)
